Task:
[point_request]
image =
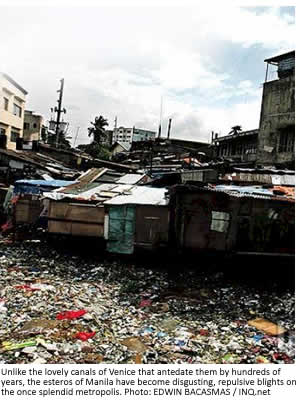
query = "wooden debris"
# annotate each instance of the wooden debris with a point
(266, 326)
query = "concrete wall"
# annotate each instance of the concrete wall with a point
(32, 126)
(8, 121)
(277, 114)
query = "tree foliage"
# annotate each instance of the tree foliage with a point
(97, 130)
(235, 130)
(98, 147)
(95, 150)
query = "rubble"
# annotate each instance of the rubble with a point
(132, 313)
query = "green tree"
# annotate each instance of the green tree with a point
(97, 130)
(95, 150)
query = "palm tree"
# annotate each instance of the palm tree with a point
(97, 130)
(235, 130)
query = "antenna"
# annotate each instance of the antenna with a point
(76, 136)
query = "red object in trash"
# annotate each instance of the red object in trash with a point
(282, 357)
(70, 314)
(27, 287)
(145, 303)
(85, 335)
(14, 199)
(204, 332)
(7, 226)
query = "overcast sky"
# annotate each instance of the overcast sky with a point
(206, 63)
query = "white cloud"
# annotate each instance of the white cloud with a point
(119, 61)
(240, 25)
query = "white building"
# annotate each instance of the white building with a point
(129, 135)
(12, 106)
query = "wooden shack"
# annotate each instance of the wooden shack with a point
(77, 219)
(28, 195)
(79, 209)
(232, 219)
(137, 220)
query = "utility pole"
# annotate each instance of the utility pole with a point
(160, 121)
(169, 128)
(59, 110)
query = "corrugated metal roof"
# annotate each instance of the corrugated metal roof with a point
(288, 191)
(283, 180)
(97, 193)
(245, 189)
(141, 195)
(131, 179)
(109, 177)
(261, 178)
(266, 170)
(257, 192)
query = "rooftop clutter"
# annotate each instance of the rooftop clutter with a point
(57, 306)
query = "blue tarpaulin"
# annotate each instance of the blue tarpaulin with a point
(38, 186)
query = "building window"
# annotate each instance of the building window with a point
(286, 142)
(17, 110)
(2, 131)
(14, 136)
(6, 102)
(219, 221)
(26, 126)
(34, 125)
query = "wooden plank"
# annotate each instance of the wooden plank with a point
(266, 326)
(28, 211)
(76, 212)
(75, 229)
(59, 227)
(87, 230)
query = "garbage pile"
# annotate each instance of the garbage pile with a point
(65, 308)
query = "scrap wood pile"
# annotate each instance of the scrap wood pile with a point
(64, 308)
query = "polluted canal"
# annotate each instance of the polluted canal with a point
(60, 306)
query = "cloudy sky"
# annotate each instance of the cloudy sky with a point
(206, 63)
